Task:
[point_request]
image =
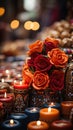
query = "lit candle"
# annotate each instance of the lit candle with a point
(49, 114)
(5, 98)
(61, 125)
(38, 125)
(10, 125)
(21, 117)
(20, 85)
(66, 107)
(21, 96)
(7, 102)
(33, 113)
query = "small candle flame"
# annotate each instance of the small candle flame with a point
(11, 122)
(38, 123)
(5, 95)
(15, 81)
(49, 109)
(20, 82)
(2, 80)
(51, 104)
(7, 71)
(34, 109)
(19, 75)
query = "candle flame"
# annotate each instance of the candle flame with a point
(15, 81)
(34, 109)
(51, 104)
(49, 109)
(38, 123)
(5, 95)
(7, 71)
(2, 80)
(11, 122)
(19, 75)
(20, 82)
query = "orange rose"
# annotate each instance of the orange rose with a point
(52, 40)
(27, 75)
(40, 80)
(58, 57)
(35, 47)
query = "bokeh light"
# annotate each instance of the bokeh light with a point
(2, 11)
(36, 26)
(28, 25)
(14, 24)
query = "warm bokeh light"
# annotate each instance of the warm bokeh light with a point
(36, 26)
(28, 25)
(2, 11)
(14, 24)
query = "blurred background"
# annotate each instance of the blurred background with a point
(22, 21)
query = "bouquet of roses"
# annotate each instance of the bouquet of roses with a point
(44, 67)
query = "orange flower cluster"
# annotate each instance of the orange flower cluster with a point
(44, 68)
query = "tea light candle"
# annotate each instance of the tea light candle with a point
(66, 107)
(21, 117)
(53, 105)
(49, 114)
(5, 98)
(61, 125)
(38, 125)
(20, 85)
(33, 113)
(10, 124)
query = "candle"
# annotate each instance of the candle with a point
(10, 124)
(7, 102)
(20, 85)
(5, 98)
(21, 96)
(66, 107)
(33, 113)
(53, 105)
(49, 114)
(37, 125)
(61, 125)
(21, 117)
(8, 76)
